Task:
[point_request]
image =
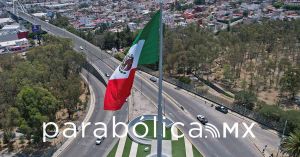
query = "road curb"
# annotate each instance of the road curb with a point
(87, 117)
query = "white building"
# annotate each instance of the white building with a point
(4, 21)
(13, 27)
(14, 45)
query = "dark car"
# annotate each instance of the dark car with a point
(222, 109)
(202, 119)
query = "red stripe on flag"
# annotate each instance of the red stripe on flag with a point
(117, 91)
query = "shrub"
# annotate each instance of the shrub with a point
(184, 79)
(272, 112)
(293, 119)
(277, 114)
(278, 5)
(246, 98)
(202, 89)
(119, 56)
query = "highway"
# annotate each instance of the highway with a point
(209, 147)
(86, 146)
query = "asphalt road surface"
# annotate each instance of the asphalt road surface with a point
(87, 146)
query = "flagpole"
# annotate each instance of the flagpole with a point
(159, 110)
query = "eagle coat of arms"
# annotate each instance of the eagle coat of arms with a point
(126, 64)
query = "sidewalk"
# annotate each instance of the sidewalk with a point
(140, 105)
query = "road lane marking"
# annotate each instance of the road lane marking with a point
(175, 138)
(188, 148)
(121, 146)
(133, 149)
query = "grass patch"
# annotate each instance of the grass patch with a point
(196, 153)
(127, 147)
(112, 153)
(141, 152)
(178, 147)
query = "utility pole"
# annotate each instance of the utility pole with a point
(159, 130)
(282, 136)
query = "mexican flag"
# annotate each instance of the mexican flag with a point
(144, 50)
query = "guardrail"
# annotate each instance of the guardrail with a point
(278, 126)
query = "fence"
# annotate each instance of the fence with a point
(275, 125)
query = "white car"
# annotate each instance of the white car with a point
(99, 140)
(107, 75)
(81, 48)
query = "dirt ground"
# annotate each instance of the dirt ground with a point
(62, 117)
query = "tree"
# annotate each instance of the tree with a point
(83, 5)
(290, 82)
(227, 73)
(36, 105)
(32, 90)
(245, 98)
(291, 145)
(12, 118)
(60, 21)
(278, 5)
(199, 2)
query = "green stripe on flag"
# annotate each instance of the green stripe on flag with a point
(150, 34)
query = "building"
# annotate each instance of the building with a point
(14, 45)
(5, 21)
(12, 27)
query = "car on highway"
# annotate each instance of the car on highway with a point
(153, 79)
(107, 75)
(202, 119)
(99, 140)
(81, 48)
(222, 109)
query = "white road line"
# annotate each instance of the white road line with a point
(153, 147)
(167, 147)
(121, 146)
(188, 148)
(133, 149)
(175, 138)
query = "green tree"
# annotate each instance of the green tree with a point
(199, 2)
(291, 145)
(36, 105)
(246, 98)
(227, 73)
(12, 118)
(60, 21)
(290, 82)
(278, 5)
(83, 5)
